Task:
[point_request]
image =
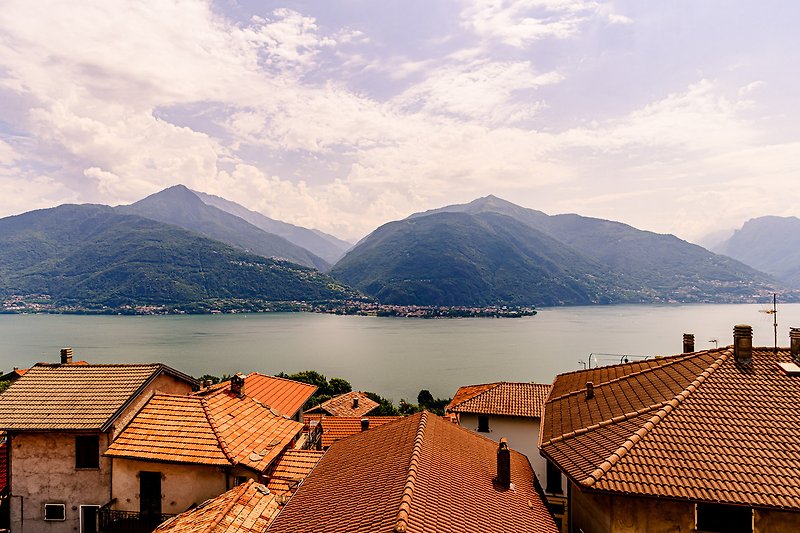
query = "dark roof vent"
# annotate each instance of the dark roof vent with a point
(355, 402)
(688, 343)
(503, 478)
(743, 344)
(66, 356)
(364, 424)
(589, 390)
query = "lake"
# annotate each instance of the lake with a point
(393, 357)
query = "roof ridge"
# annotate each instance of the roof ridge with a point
(648, 426)
(222, 444)
(224, 511)
(401, 522)
(608, 422)
(675, 356)
(677, 360)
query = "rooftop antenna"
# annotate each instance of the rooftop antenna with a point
(774, 313)
(715, 341)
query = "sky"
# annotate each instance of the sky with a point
(676, 117)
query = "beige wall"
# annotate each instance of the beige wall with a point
(602, 513)
(181, 485)
(164, 383)
(43, 471)
(522, 435)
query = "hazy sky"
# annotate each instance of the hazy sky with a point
(678, 116)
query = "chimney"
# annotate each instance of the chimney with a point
(688, 343)
(66, 356)
(589, 390)
(237, 385)
(364, 424)
(207, 383)
(355, 402)
(503, 478)
(742, 343)
(794, 343)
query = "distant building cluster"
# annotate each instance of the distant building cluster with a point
(698, 441)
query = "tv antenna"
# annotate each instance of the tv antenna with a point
(774, 313)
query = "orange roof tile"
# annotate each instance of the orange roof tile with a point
(503, 398)
(343, 405)
(221, 429)
(284, 395)
(248, 508)
(291, 468)
(75, 397)
(699, 426)
(420, 473)
(339, 427)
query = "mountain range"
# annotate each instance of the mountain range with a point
(770, 244)
(491, 250)
(184, 247)
(93, 256)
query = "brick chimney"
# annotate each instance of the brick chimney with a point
(355, 402)
(742, 343)
(237, 385)
(794, 343)
(66, 356)
(688, 343)
(364, 424)
(503, 478)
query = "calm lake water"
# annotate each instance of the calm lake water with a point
(393, 357)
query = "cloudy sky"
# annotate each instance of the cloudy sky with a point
(678, 117)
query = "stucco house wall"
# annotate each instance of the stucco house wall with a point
(43, 471)
(605, 513)
(181, 485)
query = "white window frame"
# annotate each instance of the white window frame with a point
(63, 512)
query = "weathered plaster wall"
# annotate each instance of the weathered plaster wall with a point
(43, 471)
(780, 521)
(181, 485)
(164, 383)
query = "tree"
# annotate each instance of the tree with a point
(385, 407)
(425, 398)
(339, 386)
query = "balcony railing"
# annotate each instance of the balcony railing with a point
(112, 521)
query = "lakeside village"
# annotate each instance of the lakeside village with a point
(42, 303)
(696, 441)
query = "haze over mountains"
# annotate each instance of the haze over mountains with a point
(181, 246)
(770, 244)
(528, 257)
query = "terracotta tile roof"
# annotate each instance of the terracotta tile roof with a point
(248, 508)
(285, 395)
(221, 429)
(699, 426)
(14, 374)
(420, 473)
(338, 427)
(73, 396)
(292, 467)
(342, 405)
(504, 398)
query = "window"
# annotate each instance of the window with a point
(553, 479)
(87, 451)
(240, 480)
(483, 423)
(54, 511)
(724, 518)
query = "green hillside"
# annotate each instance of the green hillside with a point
(493, 251)
(91, 255)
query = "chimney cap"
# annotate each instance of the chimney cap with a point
(589, 390)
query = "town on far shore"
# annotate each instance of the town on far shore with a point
(702, 440)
